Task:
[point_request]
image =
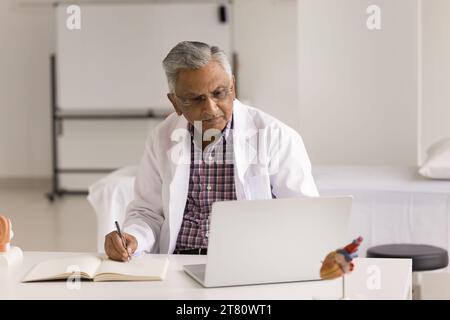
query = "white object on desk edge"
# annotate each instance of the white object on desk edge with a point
(11, 258)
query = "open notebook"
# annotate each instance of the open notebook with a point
(97, 268)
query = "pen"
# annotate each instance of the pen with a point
(123, 240)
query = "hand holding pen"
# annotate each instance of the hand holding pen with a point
(119, 245)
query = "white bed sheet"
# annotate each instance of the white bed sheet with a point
(110, 197)
(391, 204)
(378, 178)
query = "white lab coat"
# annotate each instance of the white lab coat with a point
(267, 154)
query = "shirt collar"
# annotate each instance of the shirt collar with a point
(225, 131)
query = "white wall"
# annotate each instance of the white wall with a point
(26, 41)
(358, 88)
(264, 32)
(376, 124)
(265, 36)
(436, 72)
(89, 75)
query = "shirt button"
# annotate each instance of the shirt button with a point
(208, 187)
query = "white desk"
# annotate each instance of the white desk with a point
(177, 285)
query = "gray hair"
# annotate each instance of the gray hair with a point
(192, 55)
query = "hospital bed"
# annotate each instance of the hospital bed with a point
(391, 204)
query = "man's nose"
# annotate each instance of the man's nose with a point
(210, 106)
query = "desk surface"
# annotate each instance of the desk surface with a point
(177, 285)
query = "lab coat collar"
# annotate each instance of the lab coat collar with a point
(244, 143)
(244, 146)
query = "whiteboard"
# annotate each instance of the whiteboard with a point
(114, 62)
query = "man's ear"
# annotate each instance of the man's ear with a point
(174, 103)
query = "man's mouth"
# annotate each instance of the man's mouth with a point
(212, 120)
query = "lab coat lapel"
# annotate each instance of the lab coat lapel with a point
(180, 157)
(244, 147)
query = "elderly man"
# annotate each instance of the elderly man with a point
(213, 148)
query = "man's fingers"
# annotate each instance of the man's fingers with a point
(117, 248)
(114, 246)
(131, 242)
(119, 245)
(112, 252)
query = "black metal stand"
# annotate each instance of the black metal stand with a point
(58, 117)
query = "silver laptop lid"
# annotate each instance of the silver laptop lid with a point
(280, 240)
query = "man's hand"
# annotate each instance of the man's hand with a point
(114, 246)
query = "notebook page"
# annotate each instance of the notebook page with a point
(56, 268)
(146, 266)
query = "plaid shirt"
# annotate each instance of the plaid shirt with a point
(211, 179)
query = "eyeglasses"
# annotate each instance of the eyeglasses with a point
(218, 95)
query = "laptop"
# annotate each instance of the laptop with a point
(271, 241)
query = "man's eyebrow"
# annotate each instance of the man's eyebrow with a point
(219, 87)
(196, 94)
(192, 94)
